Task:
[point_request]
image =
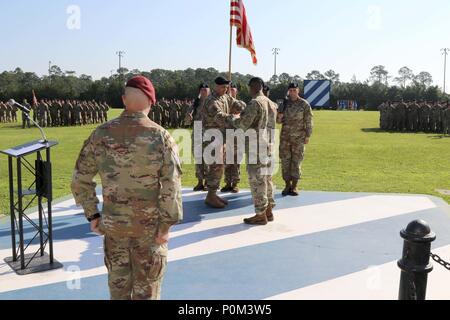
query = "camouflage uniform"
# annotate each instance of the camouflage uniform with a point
(233, 170)
(200, 167)
(216, 110)
(140, 171)
(2, 112)
(297, 125)
(259, 116)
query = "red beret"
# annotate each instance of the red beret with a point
(143, 84)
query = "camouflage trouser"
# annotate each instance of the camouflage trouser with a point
(25, 121)
(42, 120)
(135, 271)
(200, 169)
(292, 152)
(233, 171)
(261, 186)
(214, 173)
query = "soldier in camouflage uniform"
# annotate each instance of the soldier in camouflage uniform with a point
(446, 120)
(2, 112)
(258, 116)
(233, 170)
(296, 116)
(413, 117)
(217, 107)
(197, 150)
(140, 171)
(25, 119)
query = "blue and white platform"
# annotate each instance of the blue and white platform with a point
(321, 246)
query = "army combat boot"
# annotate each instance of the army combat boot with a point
(287, 189)
(213, 201)
(294, 191)
(269, 213)
(235, 188)
(200, 186)
(259, 219)
(227, 188)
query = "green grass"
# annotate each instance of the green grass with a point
(346, 153)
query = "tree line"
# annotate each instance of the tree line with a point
(182, 84)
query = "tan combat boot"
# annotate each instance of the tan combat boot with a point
(235, 188)
(259, 220)
(287, 188)
(199, 186)
(269, 213)
(223, 200)
(213, 201)
(227, 188)
(294, 191)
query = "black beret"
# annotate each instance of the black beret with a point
(293, 85)
(203, 86)
(221, 81)
(266, 88)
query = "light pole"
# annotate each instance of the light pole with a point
(120, 54)
(275, 53)
(445, 52)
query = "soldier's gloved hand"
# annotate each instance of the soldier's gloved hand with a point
(95, 227)
(306, 141)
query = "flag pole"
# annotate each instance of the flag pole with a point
(229, 56)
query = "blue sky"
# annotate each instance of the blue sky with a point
(348, 36)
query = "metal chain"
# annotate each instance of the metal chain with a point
(441, 261)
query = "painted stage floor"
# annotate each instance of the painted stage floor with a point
(321, 246)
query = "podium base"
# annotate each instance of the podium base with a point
(38, 264)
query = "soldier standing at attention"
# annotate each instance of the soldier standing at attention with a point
(141, 178)
(196, 116)
(25, 119)
(297, 125)
(258, 116)
(233, 170)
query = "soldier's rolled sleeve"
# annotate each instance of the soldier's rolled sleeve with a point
(309, 121)
(170, 199)
(83, 184)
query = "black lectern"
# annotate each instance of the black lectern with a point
(21, 199)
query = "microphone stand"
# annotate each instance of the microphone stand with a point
(26, 111)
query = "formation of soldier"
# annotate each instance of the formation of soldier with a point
(58, 113)
(171, 113)
(415, 116)
(8, 113)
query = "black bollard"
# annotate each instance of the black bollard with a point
(415, 263)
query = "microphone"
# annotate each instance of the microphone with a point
(21, 107)
(27, 114)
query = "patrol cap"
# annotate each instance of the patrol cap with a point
(203, 86)
(143, 84)
(266, 88)
(221, 81)
(293, 85)
(233, 85)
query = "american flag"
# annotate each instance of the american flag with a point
(244, 35)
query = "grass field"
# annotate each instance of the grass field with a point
(347, 153)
